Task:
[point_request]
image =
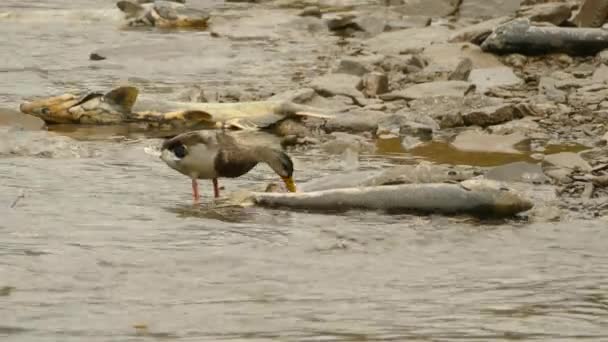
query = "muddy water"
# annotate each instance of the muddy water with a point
(98, 237)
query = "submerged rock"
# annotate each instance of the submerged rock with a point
(13, 118)
(357, 120)
(518, 172)
(475, 141)
(17, 142)
(343, 142)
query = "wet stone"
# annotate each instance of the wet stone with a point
(343, 142)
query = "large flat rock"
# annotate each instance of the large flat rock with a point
(430, 89)
(408, 41)
(447, 56)
(488, 8)
(487, 78)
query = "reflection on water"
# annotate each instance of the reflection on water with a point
(105, 244)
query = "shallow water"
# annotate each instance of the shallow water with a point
(98, 237)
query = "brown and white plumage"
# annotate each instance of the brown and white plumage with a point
(214, 155)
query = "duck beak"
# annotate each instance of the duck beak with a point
(289, 183)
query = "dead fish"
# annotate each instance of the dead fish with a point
(122, 106)
(163, 14)
(477, 197)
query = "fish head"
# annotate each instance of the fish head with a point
(506, 200)
(90, 108)
(179, 17)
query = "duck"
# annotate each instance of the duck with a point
(215, 155)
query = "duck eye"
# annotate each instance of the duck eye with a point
(45, 111)
(180, 151)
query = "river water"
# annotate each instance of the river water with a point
(102, 242)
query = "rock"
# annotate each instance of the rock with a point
(488, 8)
(490, 115)
(600, 75)
(408, 22)
(374, 84)
(13, 118)
(341, 21)
(476, 141)
(435, 8)
(412, 123)
(518, 172)
(337, 84)
(605, 138)
(462, 71)
(585, 97)
(407, 41)
(487, 78)
(357, 66)
(301, 96)
(310, 11)
(516, 60)
(447, 110)
(477, 33)
(401, 63)
(357, 120)
(525, 126)
(566, 160)
(430, 89)
(603, 56)
(447, 56)
(554, 13)
(547, 87)
(371, 24)
(561, 175)
(593, 13)
(344, 141)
